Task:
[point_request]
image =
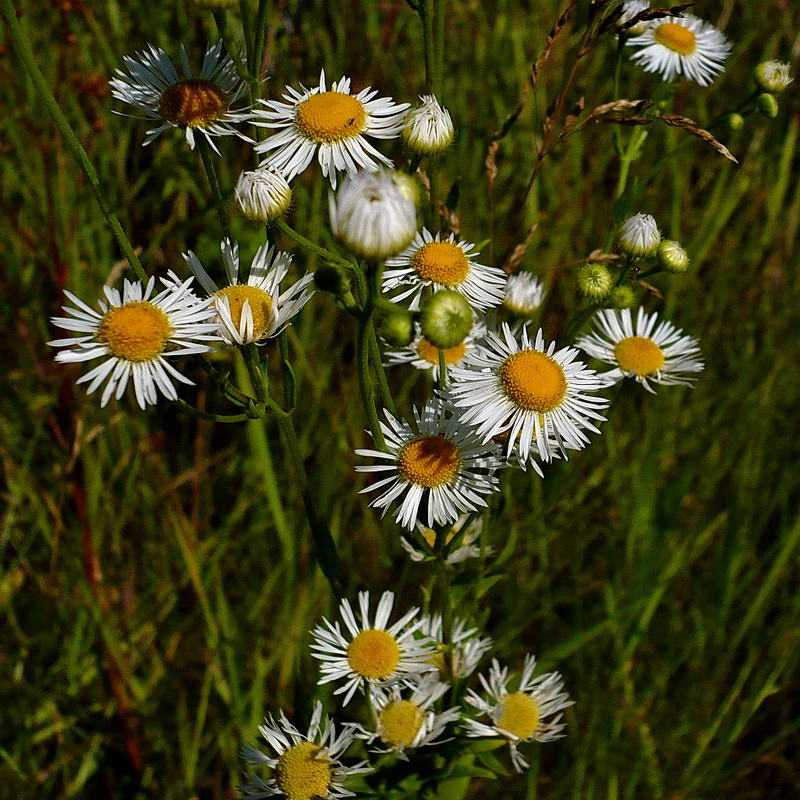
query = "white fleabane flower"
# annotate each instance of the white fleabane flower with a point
(428, 128)
(199, 104)
(536, 396)
(773, 76)
(437, 470)
(687, 46)
(135, 333)
(467, 647)
(262, 194)
(373, 214)
(639, 235)
(630, 9)
(466, 548)
(305, 765)
(524, 294)
(330, 123)
(406, 719)
(443, 264)
(370, 653)
(648, 351)
(256, 310)
(521, 715)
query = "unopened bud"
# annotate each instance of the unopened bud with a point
(330, 278)
(446, 319)
(639, 235)
(767, 105)
(773, 76)
(594, 281)
(735, 121)
(622, 297)
(672, 257)
(428, 129)
(262, 194)
(397, 328)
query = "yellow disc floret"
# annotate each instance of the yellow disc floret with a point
(520, 715)
(640, 355)
(533, 380)
(260, 306)
(676, 38)
(136, 331)
(304, 772)
(193, 103)
(373, 654)
(441, 262)
(429, 461)
(331, 116)
(430, 353)
(400, 722)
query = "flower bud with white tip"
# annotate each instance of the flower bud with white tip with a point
(446, 318)
(262, 194)
(428, 129)
(622, 297)
(639, 235)
(594, 281)
(773, 76)
(672, 257)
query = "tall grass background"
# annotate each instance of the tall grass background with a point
(157, 587)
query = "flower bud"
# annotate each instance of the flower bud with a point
(330, 278)
(639, 235)
(446, 318)
(263, 194)
(734, 121)
(594, 281)
(773, 76)
(622, 297)
(672, 257)
(397, 328)
(767, 105)
(428, 129)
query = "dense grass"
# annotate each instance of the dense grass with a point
(157, 586)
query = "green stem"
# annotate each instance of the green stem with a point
(221, 20)
(264, 8)
(579, 319)
(25, 54)
(363, 335)
(258, 375)
(284, 227)
(213, 181)
(440, 6)
(182, 404)
(289, 383)
(617, 69)
(380, 372)
(247, 26)
(442, 370)
(444, 599)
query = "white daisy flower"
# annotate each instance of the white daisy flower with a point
(537, 396)
(466, 549)
(428, 128)
(630, 9)
(639, 235)
(443, 264)
(135, 333)
(331, 123)
(256, 310)
(439, 468)
(405, 719)
(306, 765)
(467, 648)
(524, 294)
(373, 214)
(643, 350)
(370, 654)
(687, 46)
(422, 354)
(262, 194)
(200, 104)
(521, 715)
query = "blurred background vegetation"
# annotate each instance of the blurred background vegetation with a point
(157, 587)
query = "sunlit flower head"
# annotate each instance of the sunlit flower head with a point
(406, 719)
(646, 350)
(262, 194)
(773, 76)
(467, 647)
(681, 46)
(370, 653)
(639, 235)
(529, 713)
(200, 105)
(524, 294)
(332, 124)
(466, 544)
(304, 766)
(443, 264)
(256, 310)
(436, 469)
(538, 398)
(428, 128)
(134, 334)
(373, 214)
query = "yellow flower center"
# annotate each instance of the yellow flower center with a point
(260, 306)
(441, 262)
(136, 331)
(676, 38)
(452, 355)
(193, 102)
(429, 461)
(373, 654)
(639, 355)
(331, 116)
(400, 722)
(533, 380)
(520, 715)
(304, 772)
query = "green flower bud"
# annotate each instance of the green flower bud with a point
(672, 257)
(773, 76)
(594, 281)
(398, 328)
(330, 278)
(622, 297)
(735, 121)
(767, 105)
(446, 318)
